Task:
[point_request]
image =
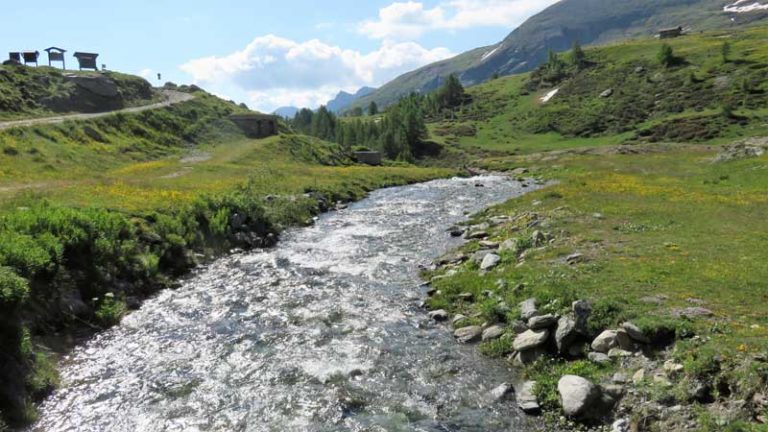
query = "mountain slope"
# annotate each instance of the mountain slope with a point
(344, 99)
(557, 27)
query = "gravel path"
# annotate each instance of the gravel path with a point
(171, 97)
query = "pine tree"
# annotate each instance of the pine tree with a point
(666, 55)
(578, 57)
(373, 109)
(725, 51)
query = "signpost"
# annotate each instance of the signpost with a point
(56, 55)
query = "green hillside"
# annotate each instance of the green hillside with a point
(591, 22)
(648, 102)
(37, 92)
(649, 218)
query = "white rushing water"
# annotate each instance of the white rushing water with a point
(321, 333)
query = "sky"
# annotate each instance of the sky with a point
(266, 54)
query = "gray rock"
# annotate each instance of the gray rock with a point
(519, 327)
(635, 333)
(577, 395)
(625, 342)
(499, 393)
(96, 84)
(475, 235)
(458, 318)
(605, 341)
(526, 398)
(528, 309)
(439, 315)
(620, 425)
(565, 333)
(493, 332)
(597, 357)
(618, 352)
(538, 238)
(620, 378)
(607, 93)
(490, 261)
(486, 244)
(574, 259)
(530, 339)
(581, 310)
(466, 296)
(542, 322)
(480, 255)
(693, 312)
(508, 245)
(468, 334)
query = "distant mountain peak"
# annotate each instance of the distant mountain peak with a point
(344, 99)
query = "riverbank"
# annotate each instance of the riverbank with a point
(639, 271)
(100, 214)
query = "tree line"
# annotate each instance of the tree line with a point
(400, 132)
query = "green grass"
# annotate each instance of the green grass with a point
(657, 105)
(673, 224)
(23, 91)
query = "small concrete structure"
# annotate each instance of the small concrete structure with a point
(56, 55)
(256, 125)
(368, 157)
(670, 33)
(87, 60)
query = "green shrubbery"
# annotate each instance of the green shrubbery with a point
(13, 288)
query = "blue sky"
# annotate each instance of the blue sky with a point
(265, 53)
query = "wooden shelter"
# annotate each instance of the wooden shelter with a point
(56, 55)
(87, 60)
(30, 57)
(670, 33)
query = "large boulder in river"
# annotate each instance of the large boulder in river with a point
(577, 395)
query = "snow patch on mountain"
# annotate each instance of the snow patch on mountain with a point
(489, 53)
(742, 6)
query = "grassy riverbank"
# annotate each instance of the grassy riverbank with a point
(659, 233)
(97, 215)
(642, 223)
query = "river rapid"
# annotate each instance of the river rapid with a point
(321, 333)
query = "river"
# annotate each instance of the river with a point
(322, 333)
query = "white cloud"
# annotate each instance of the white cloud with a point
(408, 20)
(146, 73)
(272, 71)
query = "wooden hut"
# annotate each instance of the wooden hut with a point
(670, 33)
(56, 55)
